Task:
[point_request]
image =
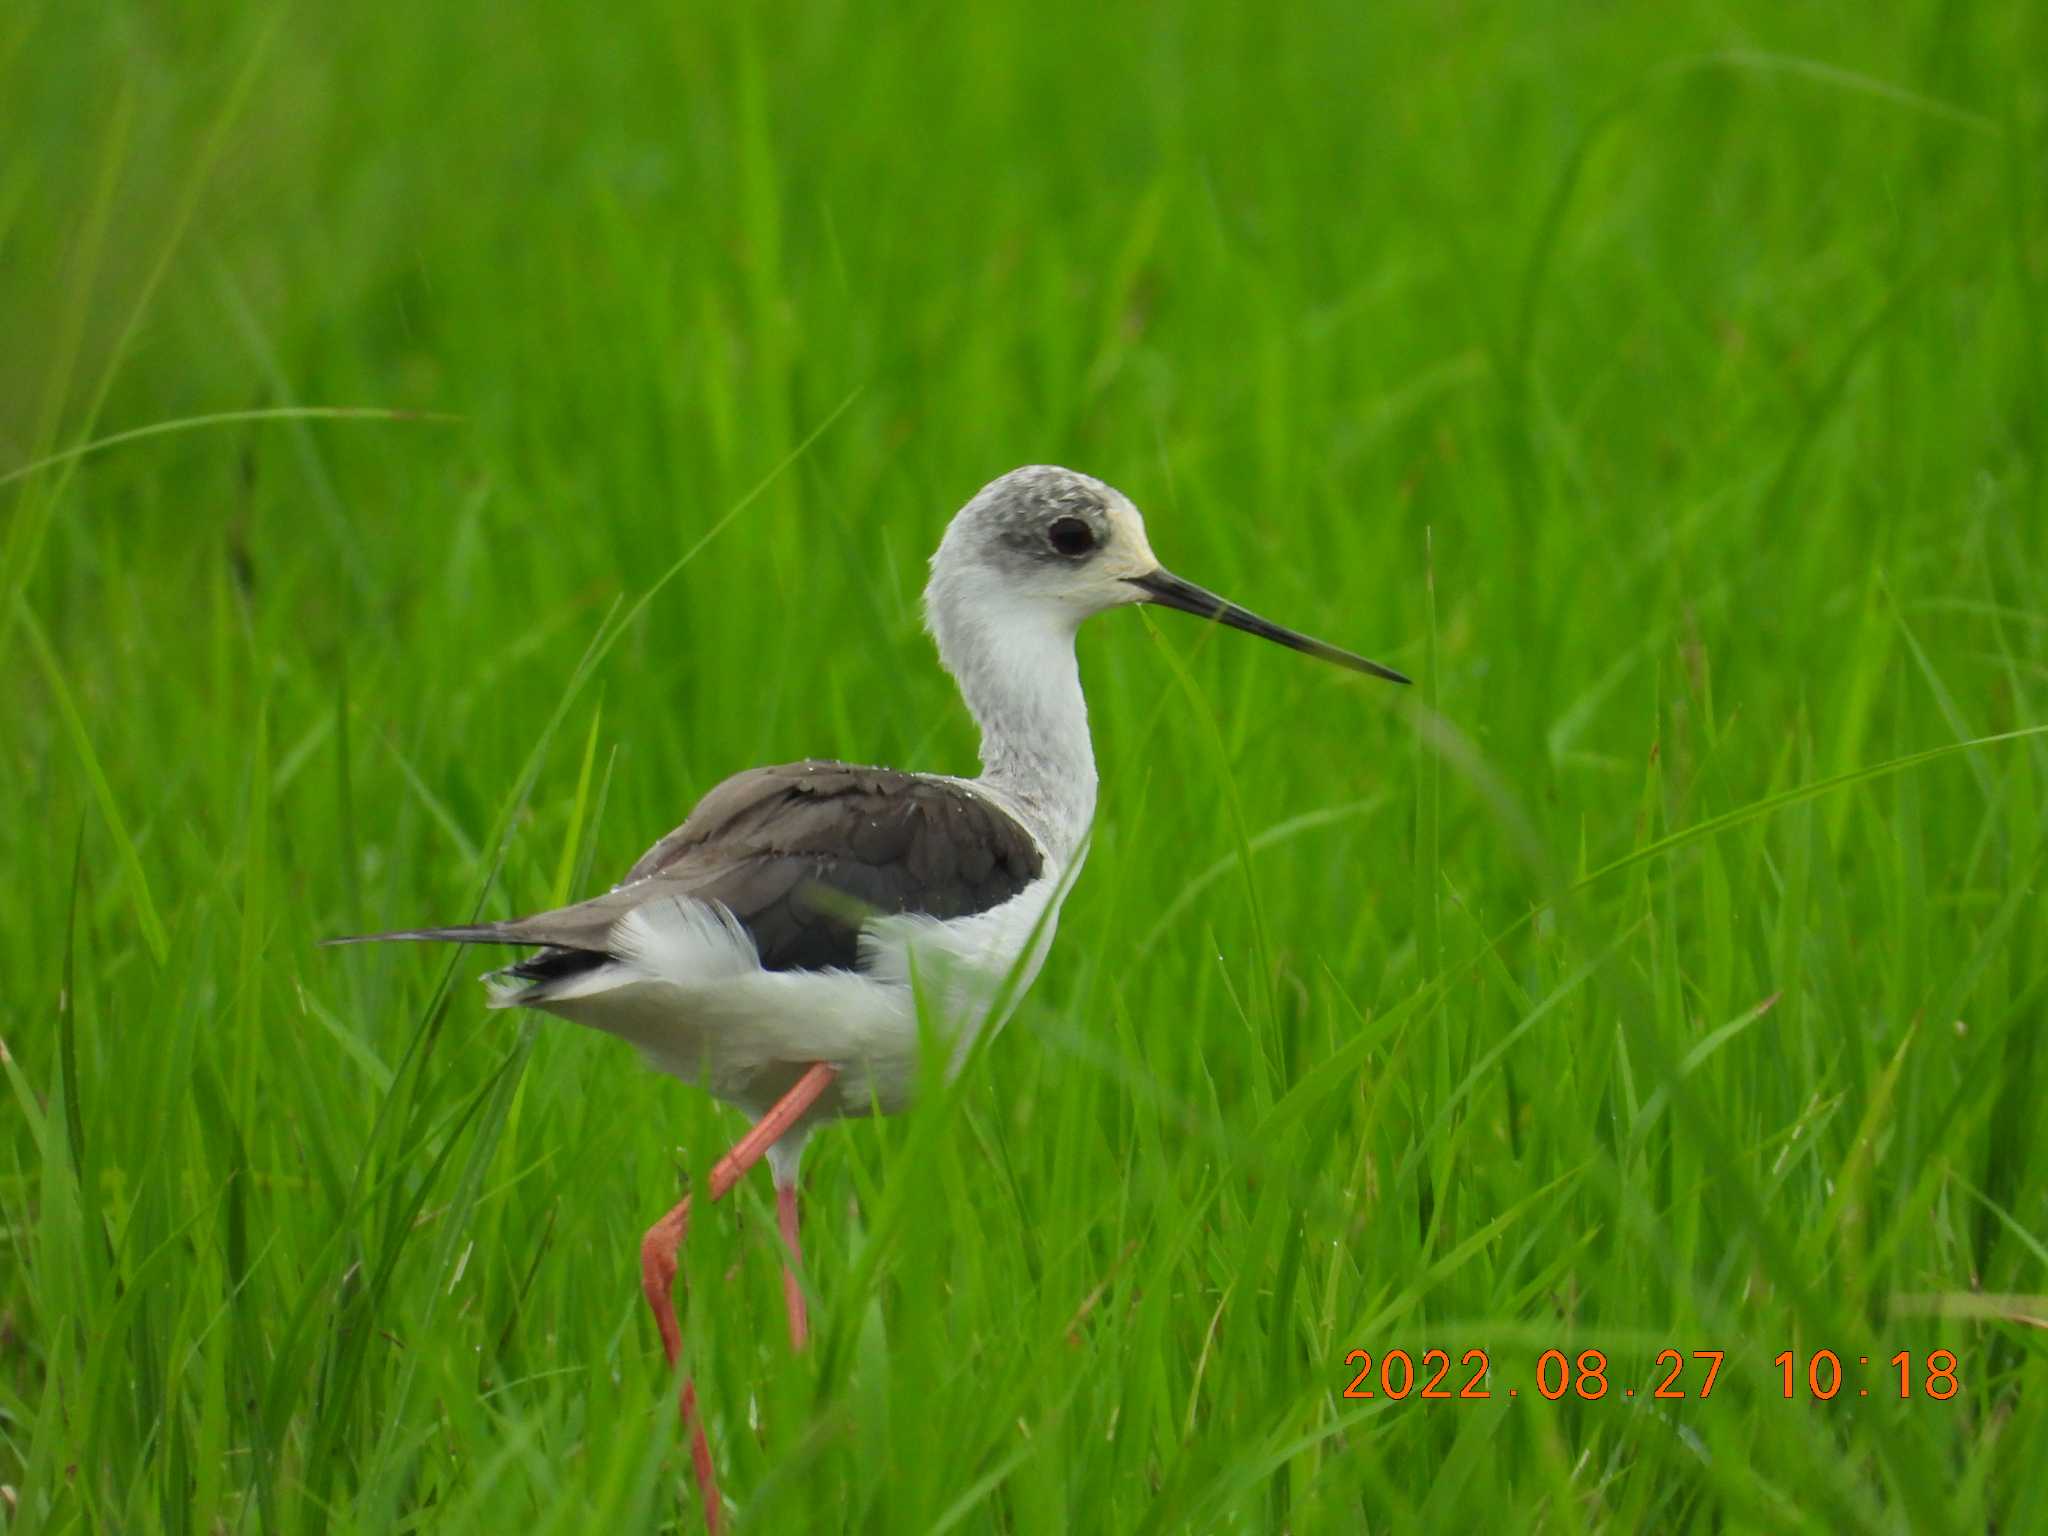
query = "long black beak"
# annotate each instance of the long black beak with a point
(1169, 591)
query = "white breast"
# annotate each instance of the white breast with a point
(689, 991)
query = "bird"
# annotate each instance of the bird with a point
(773, 949)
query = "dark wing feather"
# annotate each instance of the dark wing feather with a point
(800, 855)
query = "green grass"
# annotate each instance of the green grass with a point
(1666, 387)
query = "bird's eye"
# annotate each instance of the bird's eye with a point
(1070, 536)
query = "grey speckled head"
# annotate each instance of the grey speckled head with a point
(1021, 509)
(1045, 545)
(1044, 517)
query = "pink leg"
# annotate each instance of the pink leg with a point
(658, 1256)
(793, 1255)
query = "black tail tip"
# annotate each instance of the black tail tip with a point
(479, 934)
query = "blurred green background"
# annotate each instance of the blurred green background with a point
(1663, 386)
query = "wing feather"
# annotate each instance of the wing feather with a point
(799, 856)
(801, 853)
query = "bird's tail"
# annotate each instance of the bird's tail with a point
(461, 933)
(558, 970)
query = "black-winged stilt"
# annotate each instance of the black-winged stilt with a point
(764, 950)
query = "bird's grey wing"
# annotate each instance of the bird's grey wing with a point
(582, 926)
(800, 855)
(586, 925)
(803, 853)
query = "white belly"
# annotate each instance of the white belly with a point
(689, 991)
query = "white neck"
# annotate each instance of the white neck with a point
(1016, 669)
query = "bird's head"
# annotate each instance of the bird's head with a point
(1051, 546)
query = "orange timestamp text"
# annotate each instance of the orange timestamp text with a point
(1676, 1374)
